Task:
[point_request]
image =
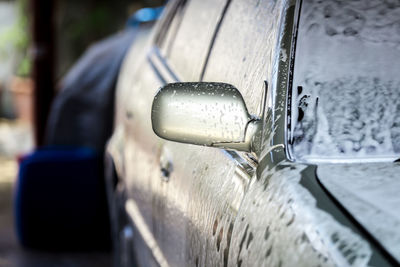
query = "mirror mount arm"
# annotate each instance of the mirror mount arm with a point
(251, 142)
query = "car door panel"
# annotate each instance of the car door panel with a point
(200, 204)
(200, 201)
(197, 203)
(159, 206)
(141, 154)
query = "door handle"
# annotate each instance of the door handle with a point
(166, 166)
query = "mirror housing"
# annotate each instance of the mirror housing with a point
(203, 113)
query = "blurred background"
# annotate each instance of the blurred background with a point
(76, 24)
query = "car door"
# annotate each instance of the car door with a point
(157, 175)
(199, 202)
(190, 187)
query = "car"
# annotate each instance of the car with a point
(259, 133)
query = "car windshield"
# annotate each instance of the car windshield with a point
(345, 99)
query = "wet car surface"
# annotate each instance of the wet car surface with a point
(295, 192)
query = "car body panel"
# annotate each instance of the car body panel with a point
(280, 217)
(212, 207)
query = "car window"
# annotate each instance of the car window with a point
(346, 83)
(170, 25)
(243, 52)
(191, 44)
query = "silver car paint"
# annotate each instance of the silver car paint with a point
(210, 211)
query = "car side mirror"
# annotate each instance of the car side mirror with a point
(204, 113)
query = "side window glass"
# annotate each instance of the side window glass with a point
(188, 50)
(170, 26)
(244, 49)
